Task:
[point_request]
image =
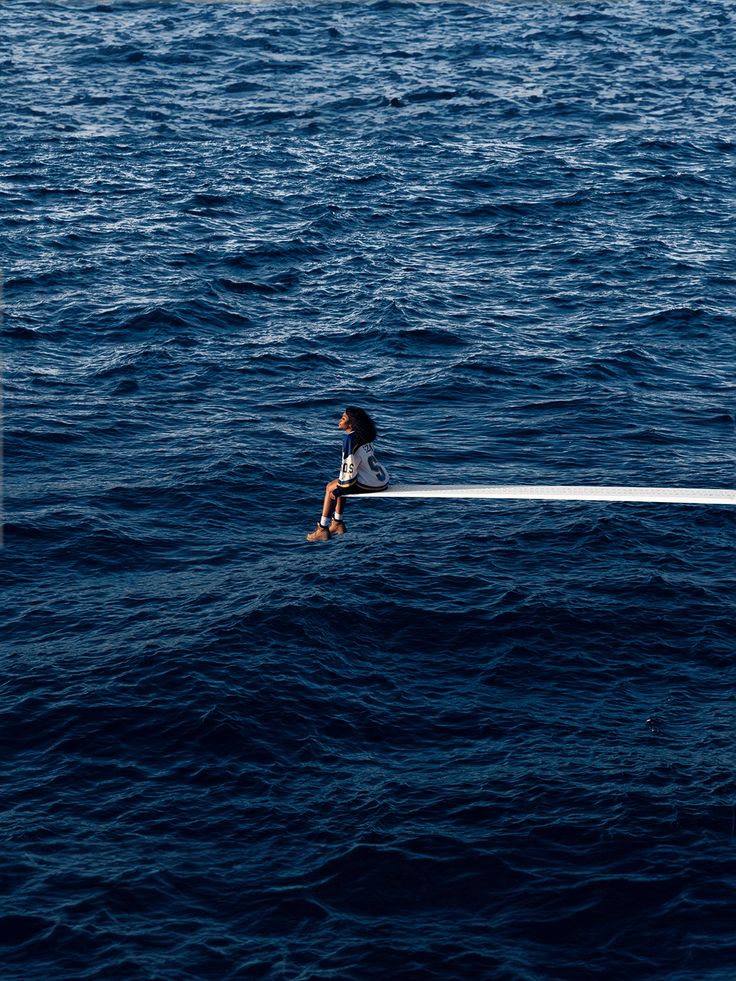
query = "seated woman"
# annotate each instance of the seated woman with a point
(360, 473)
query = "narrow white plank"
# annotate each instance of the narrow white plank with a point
(551, 492)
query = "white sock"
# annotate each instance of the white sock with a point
(338, 517)
(324, 521)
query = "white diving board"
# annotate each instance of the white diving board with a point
(561, 492)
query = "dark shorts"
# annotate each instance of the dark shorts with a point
(357, 489)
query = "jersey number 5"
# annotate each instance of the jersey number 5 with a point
(376, 468)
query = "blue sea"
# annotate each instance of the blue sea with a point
(483, 740)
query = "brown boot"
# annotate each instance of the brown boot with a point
(320, 534)
(337, 527)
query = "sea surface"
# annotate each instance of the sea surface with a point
(467, 740)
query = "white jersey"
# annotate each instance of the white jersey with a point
(360, 468)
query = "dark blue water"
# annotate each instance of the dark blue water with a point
(468, 740)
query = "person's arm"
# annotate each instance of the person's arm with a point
(349, 468)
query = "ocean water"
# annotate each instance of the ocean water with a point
(467, 740)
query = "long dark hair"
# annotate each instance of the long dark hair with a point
(364, 429)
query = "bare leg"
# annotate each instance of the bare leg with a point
(322, 532)
(330, 503)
